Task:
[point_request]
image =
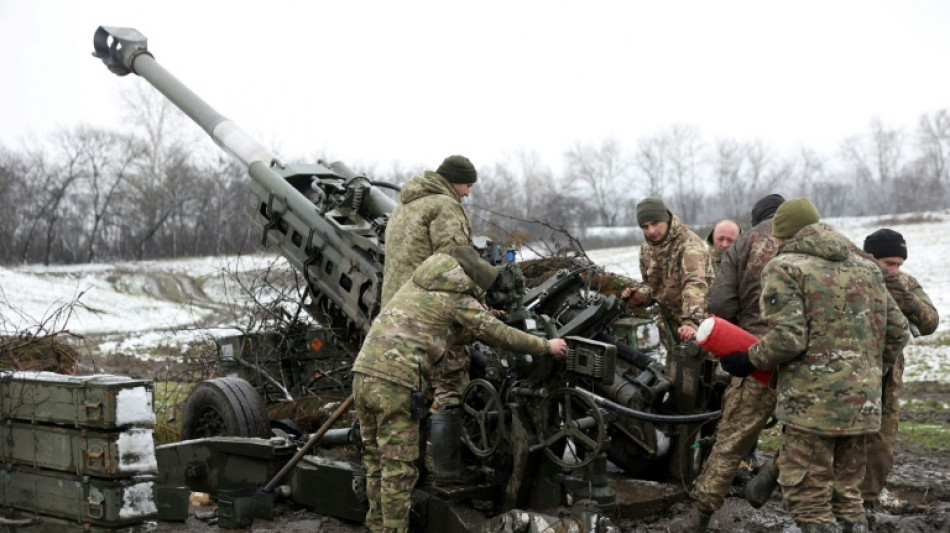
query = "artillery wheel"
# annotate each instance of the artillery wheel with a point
(481, 417)
(560, 422)
(224, 407)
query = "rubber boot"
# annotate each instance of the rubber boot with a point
(760, 488)
(695, 522)
(445, 447)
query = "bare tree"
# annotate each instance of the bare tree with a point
(606, 171)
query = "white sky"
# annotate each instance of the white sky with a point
(412, 81)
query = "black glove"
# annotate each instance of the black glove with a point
(737, 364)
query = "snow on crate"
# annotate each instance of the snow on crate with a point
(136, 451)
(134, 407)
(138, 501)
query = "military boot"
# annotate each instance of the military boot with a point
(695, 522)
(445, 446)
(760, 488)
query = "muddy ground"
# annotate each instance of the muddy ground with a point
(920, 484)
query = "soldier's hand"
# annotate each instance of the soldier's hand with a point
(737, 364)
(557, 346)
(686, 332)
(632, 296)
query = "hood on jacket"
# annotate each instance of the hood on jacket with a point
(442, 272)
(820, 240)
(428, 184)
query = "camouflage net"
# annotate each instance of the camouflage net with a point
(40, 354)
(309, 413)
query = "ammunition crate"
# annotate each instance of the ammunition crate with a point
(82, 452)
(100, 401)
(100, 502)
(330, 487)
(34, 523)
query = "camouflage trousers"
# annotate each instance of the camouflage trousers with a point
(390, 448)
(820, 476)
(747, 406)
(449, 378)
(880, 446)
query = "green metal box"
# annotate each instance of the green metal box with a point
(101, 502)
(114, 454)
(100, 401)
(330, 487)
(22, 522)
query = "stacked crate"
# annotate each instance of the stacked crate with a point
(76, 452)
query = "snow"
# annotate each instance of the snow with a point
(137, 307)
(138, 501)
(136, 451)
(133, 406)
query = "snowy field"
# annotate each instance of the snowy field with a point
(133, 307)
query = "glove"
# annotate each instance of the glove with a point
(737, 364)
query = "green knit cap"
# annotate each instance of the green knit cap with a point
(458, 169)
(650, 209)
(792, 216)
(481, 272)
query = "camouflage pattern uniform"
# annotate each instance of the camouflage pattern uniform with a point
(834, 330)
(922, 315)
(404, 344)
(429, 218)
(676, 274)
(747, 403)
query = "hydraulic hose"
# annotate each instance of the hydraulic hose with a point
(650, 417)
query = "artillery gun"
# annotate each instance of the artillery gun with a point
(541, 429)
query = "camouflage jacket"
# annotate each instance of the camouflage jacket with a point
(833, 327)
(412, 331)
(429, 218)
(735, 293)
(910, 298)
(913, 302)
(676, 274)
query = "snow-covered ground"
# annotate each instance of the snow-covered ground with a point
(133, 307)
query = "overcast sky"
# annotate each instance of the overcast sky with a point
(409, 81)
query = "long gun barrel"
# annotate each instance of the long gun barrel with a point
(327, 220)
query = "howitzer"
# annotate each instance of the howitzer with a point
(540, 429)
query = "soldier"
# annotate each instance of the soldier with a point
(675, 269)
(747, 403)
(430, 219)
(834, 331)
(720, 237)
(405, 342)
(890, 251)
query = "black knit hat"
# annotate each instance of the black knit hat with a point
(765, 208)
(458, 169)
(885, 243)
(481, 271)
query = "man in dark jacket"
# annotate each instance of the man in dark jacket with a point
(834, 332)
(747, 403)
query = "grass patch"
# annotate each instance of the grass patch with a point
(924, 438)
(170, 399)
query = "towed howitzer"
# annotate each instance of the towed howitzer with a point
(543, 428)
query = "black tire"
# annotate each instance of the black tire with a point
(224, 407)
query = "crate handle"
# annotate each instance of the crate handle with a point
(92, 406)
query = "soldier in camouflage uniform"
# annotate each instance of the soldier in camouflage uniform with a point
(890, 251)
(404, 344)
(675, 269)
(430, 219)
(720, 237)
(835, 331)
(747, 403)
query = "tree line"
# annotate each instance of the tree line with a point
(156, 189)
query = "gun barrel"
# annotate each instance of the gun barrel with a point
(337, 245)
